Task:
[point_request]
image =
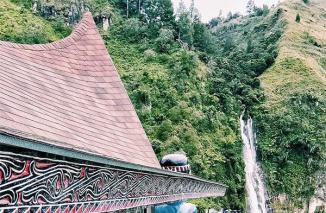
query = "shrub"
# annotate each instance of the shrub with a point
(165, 40)
(322, 63)
(297, 18)
(309, 39)
(133, 29)
(149, 54)
(306, 1)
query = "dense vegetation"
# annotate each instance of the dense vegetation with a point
(190, 85)
(291, 122)
(297, 124)
(190, 82)
(20, 25)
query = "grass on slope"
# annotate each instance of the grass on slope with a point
(21, 26)
(292, 128)
(291, 123)
(305, 40)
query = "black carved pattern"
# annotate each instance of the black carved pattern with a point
(30, 181)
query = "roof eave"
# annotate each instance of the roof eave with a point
(79, 180)
(13, 140)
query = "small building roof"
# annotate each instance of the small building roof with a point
(69, 94)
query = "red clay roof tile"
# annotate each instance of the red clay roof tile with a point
(68, 93)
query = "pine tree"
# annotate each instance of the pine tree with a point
(250, 6)
(220, 13)
(185, 27)
(192, 9)
(229, 16)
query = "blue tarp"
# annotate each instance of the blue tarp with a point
(176, 207)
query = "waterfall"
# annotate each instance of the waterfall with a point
(255, 186)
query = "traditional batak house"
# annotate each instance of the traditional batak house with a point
(70, 139)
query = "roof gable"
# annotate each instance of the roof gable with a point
(69, 94)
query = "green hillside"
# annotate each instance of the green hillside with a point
(20, 25)
(173, 96)
(190, 82)
(292, 120)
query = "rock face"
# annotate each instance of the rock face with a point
(72, 11)
(106, 23)
(318, 202)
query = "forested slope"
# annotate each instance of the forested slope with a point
(190, 82)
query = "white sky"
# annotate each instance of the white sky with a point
(210, 8)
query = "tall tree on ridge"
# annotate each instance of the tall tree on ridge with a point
(192, 9)
(158, 14)
(127, 8)
(250, 6)
(185, 26)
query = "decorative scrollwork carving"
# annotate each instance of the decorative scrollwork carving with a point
(29, 182)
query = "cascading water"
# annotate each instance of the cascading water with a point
(255, 186)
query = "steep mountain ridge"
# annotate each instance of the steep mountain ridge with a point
(292, 120)
(306, 40)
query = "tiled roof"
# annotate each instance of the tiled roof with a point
(69, 94)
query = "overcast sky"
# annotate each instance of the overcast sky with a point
(210, 8)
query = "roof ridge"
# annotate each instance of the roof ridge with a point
(52, 91)
(82, 27)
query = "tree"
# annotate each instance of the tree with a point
(184, 23)
(250, 6)
(220, 13)
(133, 29)
(214, 22)
(228, 44)
(192, 9)
(265, 9)
(158, 14)
(181, 9)
(261, 11)
(229, 16)
(236, 15)
(127, 8)
(249, 46)
(102, 12)
(201, 35)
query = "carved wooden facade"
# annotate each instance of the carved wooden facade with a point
(34, 184)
